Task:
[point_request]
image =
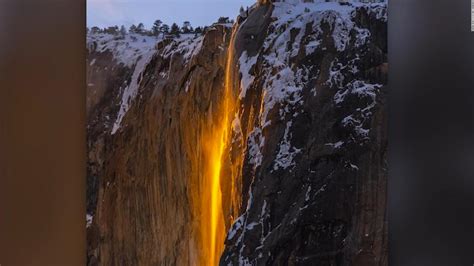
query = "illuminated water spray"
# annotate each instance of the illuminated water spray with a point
(218, 142)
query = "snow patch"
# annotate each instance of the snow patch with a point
(307, 195)
(235, 227)
(89, 219)
(287, 153)
(187, 45)
(336, 145)
(255, 144)
(131, 91)
(355, 167)
(312, 46)
(125, 49)
(251, 226)
(245, 65)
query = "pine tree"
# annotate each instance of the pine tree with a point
(141, 28)
(223, 20)
(165, 28)
(133, 29)
(175, 30)
(187, 27)
(156, 29)
(95, 30)
(112, 30)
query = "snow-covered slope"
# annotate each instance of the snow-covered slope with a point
(135, 52)
(126, 49)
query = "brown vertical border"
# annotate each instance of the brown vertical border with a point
(42, 132)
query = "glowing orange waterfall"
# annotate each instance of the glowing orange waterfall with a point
(212, 224)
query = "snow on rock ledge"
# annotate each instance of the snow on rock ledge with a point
(135, 51)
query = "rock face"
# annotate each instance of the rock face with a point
(314, 173)
(294, 96)
(150, 193)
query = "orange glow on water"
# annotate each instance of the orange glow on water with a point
(213, 226)
(217, 218)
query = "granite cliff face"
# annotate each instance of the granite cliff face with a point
(315, 130)
(151, 185)
(258, 143)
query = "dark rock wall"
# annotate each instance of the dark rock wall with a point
(328, 206)
(105, 80)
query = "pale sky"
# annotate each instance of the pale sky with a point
(104, 13)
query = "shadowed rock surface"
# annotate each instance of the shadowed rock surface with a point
(315, 169)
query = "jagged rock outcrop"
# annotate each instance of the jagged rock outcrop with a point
(303, 173)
